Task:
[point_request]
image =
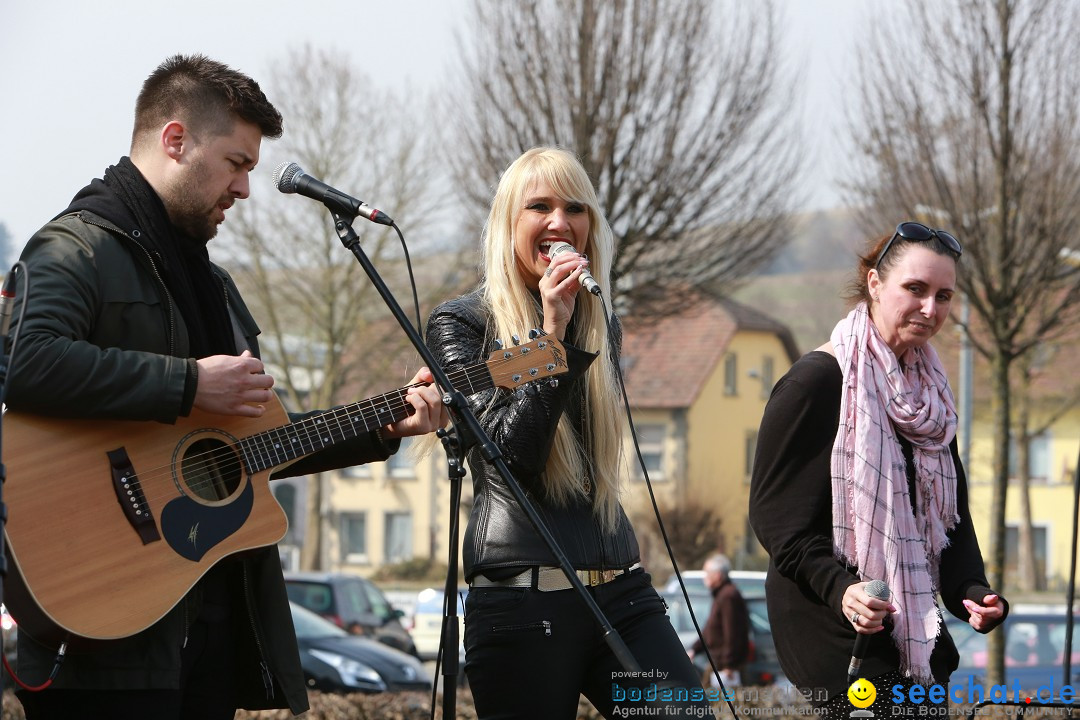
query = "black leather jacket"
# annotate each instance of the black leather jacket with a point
(499, 534)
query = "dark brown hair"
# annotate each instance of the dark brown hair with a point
(205, 94)
(858, 289)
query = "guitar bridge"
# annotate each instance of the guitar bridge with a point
(130, 495)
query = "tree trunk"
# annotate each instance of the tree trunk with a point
(1028, 579)
(311, 550)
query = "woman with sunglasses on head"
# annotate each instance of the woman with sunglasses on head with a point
(532, 647)
(857, 479)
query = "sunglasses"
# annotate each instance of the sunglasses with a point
(917, 232)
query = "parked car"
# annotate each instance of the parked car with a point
(337, 661)
(751, 583)
(1034, 649)
(427, 622)
(353, 604)
(762, 667)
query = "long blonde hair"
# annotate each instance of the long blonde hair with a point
(514, 310)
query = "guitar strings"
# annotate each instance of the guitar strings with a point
(227, 458)
(308, 435)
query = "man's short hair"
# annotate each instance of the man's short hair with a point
(206, 95)
(718, 563)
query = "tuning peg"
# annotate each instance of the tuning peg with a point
(553, 382)
(534, 333)
(515, 339)
(519, 393)
(531, 390)
(498, 344)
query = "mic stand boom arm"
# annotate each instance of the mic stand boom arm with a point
(471, 431)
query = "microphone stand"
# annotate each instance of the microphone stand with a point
(449, 637)
(471, 432)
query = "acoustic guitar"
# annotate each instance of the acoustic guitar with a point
(112, 522)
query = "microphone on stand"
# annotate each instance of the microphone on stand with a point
(876, 589)
(290, 178)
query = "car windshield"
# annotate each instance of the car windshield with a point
(360, 597)
(309, 625)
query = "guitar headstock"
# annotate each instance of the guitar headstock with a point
(514, 366)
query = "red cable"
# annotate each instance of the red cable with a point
(20, 683)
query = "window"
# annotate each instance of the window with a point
(1012, 552)
(285, 493)
(1038, 457)
(766, 376)
(400, 464)
(651, 441)
(356, 471)
(398, 537)
(731, 369)
(353, 533)
(750, 448)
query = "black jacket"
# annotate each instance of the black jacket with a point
(499, 535)
(727, 631)
(102, 338)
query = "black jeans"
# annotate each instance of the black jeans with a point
(531, 654)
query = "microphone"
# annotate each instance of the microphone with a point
(877, 589)
(290, 178)
(587, 280)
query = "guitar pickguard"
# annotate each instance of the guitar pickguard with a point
(192, 529)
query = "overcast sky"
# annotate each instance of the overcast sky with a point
(70, 71)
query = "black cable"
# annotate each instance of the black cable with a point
(412, 279)
(660, 522)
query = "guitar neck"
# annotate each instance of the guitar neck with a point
(289, 442)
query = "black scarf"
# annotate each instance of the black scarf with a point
(125, 198)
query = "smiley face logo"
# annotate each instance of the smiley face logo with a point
(862, 693)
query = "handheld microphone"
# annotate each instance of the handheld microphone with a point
(290, 178)
(877, 589)
(585, 277)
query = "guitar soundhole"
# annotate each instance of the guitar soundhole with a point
(211, 469)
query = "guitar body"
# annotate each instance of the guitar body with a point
(101, 556)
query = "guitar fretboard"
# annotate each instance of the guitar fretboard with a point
(286, 443)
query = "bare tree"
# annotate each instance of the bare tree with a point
(681, 118)
(323, 321)
(967, 114)
(693, 529)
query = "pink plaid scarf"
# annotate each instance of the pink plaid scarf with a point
(875, 527)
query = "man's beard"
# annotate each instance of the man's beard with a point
(188, 210)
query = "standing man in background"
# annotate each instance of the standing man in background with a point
(727, 631)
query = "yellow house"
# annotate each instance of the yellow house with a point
(697, 382)
(376, 514)
(1052, 470)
